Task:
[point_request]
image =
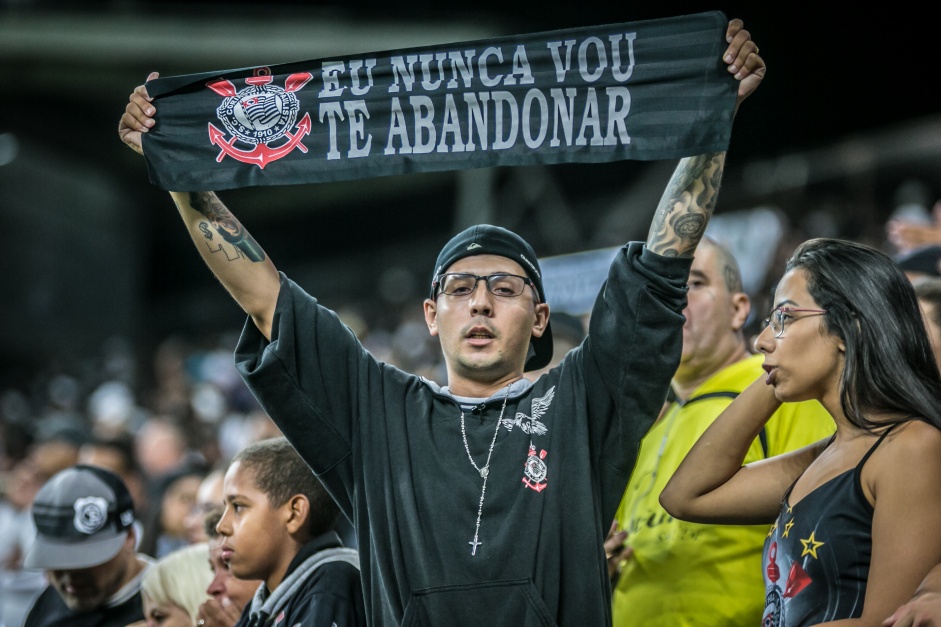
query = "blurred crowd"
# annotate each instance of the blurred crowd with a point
(169, 421)
(165, 422)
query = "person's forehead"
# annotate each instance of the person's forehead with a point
(240, 480)
(706, 260)
(792, 289)
(486, 264)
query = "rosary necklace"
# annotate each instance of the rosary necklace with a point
(485, 471)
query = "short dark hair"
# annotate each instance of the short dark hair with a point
(726, 263)
(280, 473)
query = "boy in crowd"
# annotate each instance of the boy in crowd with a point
(228, 595)
(278, 527)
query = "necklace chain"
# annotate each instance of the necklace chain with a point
(483, 472)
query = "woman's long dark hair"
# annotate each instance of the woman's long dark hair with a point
(889, 366)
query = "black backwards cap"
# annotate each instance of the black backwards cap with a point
(486, 239)
(82, 515)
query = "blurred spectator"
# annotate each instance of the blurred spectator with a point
(161, 446)
(921, 262)
(175, 587)
(86, 544)
(208, 500)
(928, 291)
(20, 587)
(228, 594)
(174, 497)
(116, 454)
(909, 234)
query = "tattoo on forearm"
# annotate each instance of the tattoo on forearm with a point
(686, 206)
(226, 225)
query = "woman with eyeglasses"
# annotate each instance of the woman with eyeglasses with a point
(854, 518)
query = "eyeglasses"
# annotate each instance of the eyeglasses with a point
(781, 314)
(461, 285)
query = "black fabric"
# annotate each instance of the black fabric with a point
(646, 90)
(330, 595)
(388, 447)
(817, 555)
(50, 611)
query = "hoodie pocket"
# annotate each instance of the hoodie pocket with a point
(514, 603)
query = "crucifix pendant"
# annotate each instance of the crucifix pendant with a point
(474, 543)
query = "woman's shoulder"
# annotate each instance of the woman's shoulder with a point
(914, 435)
(914, 444)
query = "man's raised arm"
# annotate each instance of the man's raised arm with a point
(690, 197)
(228, 249)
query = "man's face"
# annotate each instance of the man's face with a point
(87, 588)
(483, 336)
(255, 539)
(224, 585)
(714, 315)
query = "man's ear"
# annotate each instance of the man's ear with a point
(296, 512)
(130, 543)
(431, 316)
(741, 307)
(542, 319)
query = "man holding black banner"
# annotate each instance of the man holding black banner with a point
(484, 502)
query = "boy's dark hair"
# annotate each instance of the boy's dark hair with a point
(280, 473)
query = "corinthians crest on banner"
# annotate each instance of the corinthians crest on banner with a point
(261, 116)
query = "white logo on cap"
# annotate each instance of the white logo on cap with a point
(91, 514)
(127, 518)
(531, 264)
(473, 246)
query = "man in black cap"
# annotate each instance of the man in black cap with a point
(86, 543)
(484, 502)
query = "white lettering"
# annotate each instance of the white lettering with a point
(564, 112)
(403, 69)
(330, 71)
(616, 116)
(397, 129)
(531, 95)
(485, 77)
(619, 74)
(477, 118)
(424, 110)
(355, 66)
(451, 126)
(561, 68)
(459, 66)
(520, 68)
(333, 112)
(356, 112)
(587, 76)
(591, 121)
(501, 141)
(426, 72)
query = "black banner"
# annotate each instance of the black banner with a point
(655, 89)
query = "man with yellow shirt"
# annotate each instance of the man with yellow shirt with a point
(671, 573)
